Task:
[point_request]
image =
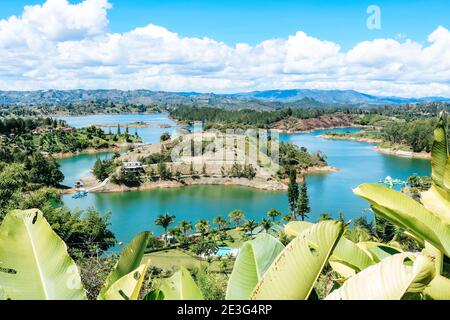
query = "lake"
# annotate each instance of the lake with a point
(133, 212)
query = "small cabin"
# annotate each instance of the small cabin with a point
(133, 166)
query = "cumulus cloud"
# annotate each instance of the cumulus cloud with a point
(66, 46)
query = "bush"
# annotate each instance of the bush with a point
(165, 137)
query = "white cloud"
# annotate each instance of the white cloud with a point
(66, 46)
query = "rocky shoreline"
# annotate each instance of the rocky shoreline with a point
(294, 125)
(257, 183)
(359, 139)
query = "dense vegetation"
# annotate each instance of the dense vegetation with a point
(220, 118)
(413, 135)
(21, 137)
(30, 177)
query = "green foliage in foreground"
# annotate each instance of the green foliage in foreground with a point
(264, 269)
(429, 221)
(36, 265)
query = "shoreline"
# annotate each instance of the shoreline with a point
(65, 155)
(62, 114)
(358, 139)
(256, 183)
(320, 170)
(317, 129)
(383, 150)
(110, 187)
(403, 153)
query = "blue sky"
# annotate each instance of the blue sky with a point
(252, 21)
(226, 46)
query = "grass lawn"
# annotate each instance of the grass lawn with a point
(237, 236)
(172, 259)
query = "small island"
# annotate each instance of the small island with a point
(213, 161)
(133, 125)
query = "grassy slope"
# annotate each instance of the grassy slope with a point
(174, 258)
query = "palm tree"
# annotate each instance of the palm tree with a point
(236, 216)
(202, 226)
(249, 226)
(266, 224)
(286, 218)
(221, 222)
(273, 213)
(214, 234)
(324, 216)
(185, 226)
(164, 220)
(175, 232)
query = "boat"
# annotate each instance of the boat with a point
(388, 181)
(80, 194)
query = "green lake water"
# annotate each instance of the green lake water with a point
(134, 212)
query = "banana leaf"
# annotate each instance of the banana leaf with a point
(34, 263)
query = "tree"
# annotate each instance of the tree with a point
(236, 216)
(164, 171)
(102, 169)
(266, 224)
(324, 216)
(118, 129)
(165, 137)
(221, 222)
(293, 193)
(249, 226)
(273, 213)
(202, 226)
(303, 201)
(175, 232)
(185, 226)
(164, 221)
(286, 218)
(44, 170)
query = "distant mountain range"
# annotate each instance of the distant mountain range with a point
(269, 99)
(333, 96)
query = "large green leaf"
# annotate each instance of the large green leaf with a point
(390, 279)
(128, 287)
(408, 214)
(293, 273)
(439, 152)
(349, 254)
(180, 286)
(294, 228)
(129, 261)
(346, 254)
(437, 200)
(439, 288)
(447, 175)
(154, 295)
(378, 251)
(34, 264)
(254, 258)
(3, 295)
